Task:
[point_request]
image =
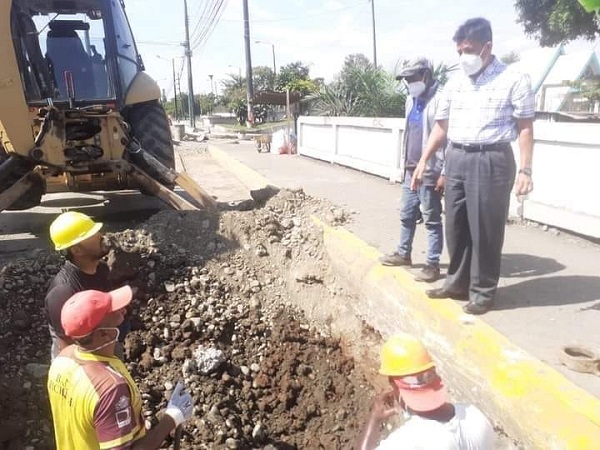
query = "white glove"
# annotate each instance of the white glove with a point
(180, 406)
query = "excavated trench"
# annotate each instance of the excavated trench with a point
(254, 288)
(244, 306)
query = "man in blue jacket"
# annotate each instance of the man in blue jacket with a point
(421, 106)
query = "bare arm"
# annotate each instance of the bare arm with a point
(370, 435)
(525, 127)
(524, 183)
(156, 436)
(437, 138)
(383, 408)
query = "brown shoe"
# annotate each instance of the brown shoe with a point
(443, 293)
(477, 308)
(428, 274)
(394, 259)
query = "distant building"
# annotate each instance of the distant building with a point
(552, 70)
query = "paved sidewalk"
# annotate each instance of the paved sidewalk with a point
(549, 293)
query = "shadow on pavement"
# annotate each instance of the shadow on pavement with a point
(550, 291)
(518, 265)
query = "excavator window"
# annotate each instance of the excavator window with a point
(79, 51)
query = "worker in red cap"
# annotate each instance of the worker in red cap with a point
(431, 421)
(95, 402)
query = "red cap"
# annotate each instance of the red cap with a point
(425, 398)
(82, 313)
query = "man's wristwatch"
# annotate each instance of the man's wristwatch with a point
(526, 171)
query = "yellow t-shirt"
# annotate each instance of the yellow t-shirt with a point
(95, 402)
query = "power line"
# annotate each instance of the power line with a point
(299, 16)
(205, 20)
(194, 34)
(211, 25)
(213, 20)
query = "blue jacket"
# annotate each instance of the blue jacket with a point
(435, 164)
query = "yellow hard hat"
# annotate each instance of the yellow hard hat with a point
(402, 355)
(71, 228)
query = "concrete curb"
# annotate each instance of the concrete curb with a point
(534, 402)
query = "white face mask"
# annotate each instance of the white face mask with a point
(106, 344)
(471, 64)
(416, 88)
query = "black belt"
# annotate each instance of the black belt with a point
(498, 146)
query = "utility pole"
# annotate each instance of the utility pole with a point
(188, 54)
(175, 90)
(273, 51)
(374, 36)
(249, 84)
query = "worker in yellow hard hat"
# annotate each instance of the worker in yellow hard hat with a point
(417, 391)
(79, 237)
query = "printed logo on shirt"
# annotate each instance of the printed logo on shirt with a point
(123, 414)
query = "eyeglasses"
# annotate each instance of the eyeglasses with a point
(417, 381)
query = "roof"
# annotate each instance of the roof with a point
(537, 63)
(572, 66)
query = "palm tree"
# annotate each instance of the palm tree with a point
(362, 90)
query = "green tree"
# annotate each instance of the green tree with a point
(510, 58)
(441, 72)
(263, 78)
(206, 102)
(552, 22)
(354, 65)
(588, 88)
(360, 90)
(290, 74)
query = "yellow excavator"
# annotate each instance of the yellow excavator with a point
(77, 111)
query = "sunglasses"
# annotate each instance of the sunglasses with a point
(418, 380)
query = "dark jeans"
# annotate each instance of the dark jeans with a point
(431, 202)
(477, 195)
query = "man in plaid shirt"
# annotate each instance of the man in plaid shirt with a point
(481, 111)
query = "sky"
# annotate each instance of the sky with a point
(319, 33)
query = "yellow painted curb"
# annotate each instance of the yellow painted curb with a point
(534, 402)
(247, 176)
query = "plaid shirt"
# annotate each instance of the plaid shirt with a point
(483, 111)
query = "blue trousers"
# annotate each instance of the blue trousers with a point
(426, 199)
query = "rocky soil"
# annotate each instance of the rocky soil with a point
(216, 305)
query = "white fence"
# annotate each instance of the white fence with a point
(368, 144)
(566, 163)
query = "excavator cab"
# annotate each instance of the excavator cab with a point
(77, 110)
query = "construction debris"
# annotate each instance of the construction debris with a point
(213, 305)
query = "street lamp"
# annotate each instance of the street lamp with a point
(172, 60)
(273, 50)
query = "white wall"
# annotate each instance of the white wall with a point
(566, 163)
(368, 144)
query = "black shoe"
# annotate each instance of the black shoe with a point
(394, 259)
(477, 308)
(428, 274)
(443, 293)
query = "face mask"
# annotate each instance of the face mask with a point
(416, 88)
(106, 344)
(471, 64)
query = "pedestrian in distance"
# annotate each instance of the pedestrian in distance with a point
(95, 403)
(482, 110)
(82, 242)
(417, 392)
(421, 105)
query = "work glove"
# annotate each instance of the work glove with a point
(180, 407)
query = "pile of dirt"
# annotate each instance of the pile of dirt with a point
(217, 305)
